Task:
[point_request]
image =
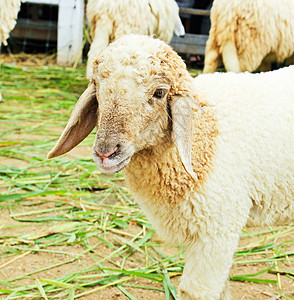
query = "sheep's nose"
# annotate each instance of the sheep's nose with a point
(107, 154)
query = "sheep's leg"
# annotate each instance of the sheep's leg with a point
(206, 271)
(230, 57)
(212, 57)
(211, 62)
(226, 293)
(100, 41)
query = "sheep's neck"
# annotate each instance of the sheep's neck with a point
(158, 173)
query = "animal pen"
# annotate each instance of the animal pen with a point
(63, 25)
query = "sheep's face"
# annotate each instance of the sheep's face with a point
(132, 116)
(133, 99)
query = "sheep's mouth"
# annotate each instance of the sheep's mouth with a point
(115, 168)
(112, 165)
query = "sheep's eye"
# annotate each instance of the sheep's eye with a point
(160, 93)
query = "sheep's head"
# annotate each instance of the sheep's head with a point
(139, 96)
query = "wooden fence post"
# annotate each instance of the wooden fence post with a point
(70, 31)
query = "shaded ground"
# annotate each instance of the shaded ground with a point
(67, 231)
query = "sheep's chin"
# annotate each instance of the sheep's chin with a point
(111, 166)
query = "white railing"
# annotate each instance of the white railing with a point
(69, 29)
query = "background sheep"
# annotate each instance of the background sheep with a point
(111, 19)
(8, 14)
(202, 157)
(247, 34)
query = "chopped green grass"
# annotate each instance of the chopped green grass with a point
(67, 231)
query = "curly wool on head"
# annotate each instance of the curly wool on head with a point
(147, 61)
(247, 34)
(8, 14)
(202, 157)
(111, 19)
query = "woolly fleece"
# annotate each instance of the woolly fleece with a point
(112, 19)
(248, 34)
(8, 14)
(242, 151)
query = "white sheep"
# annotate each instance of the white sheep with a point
(247, 34)
(203, 157)
(111, 19)
(8, 14)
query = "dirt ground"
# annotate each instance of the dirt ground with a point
(32, 261)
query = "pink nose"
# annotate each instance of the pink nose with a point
(106, 154)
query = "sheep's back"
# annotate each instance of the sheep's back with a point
(147, 17)
(255, 145)
(264, 25)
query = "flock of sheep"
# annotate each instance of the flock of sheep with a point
(203, 157)
(245, 35)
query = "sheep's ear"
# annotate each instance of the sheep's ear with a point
(182, 117)
(80, 124)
